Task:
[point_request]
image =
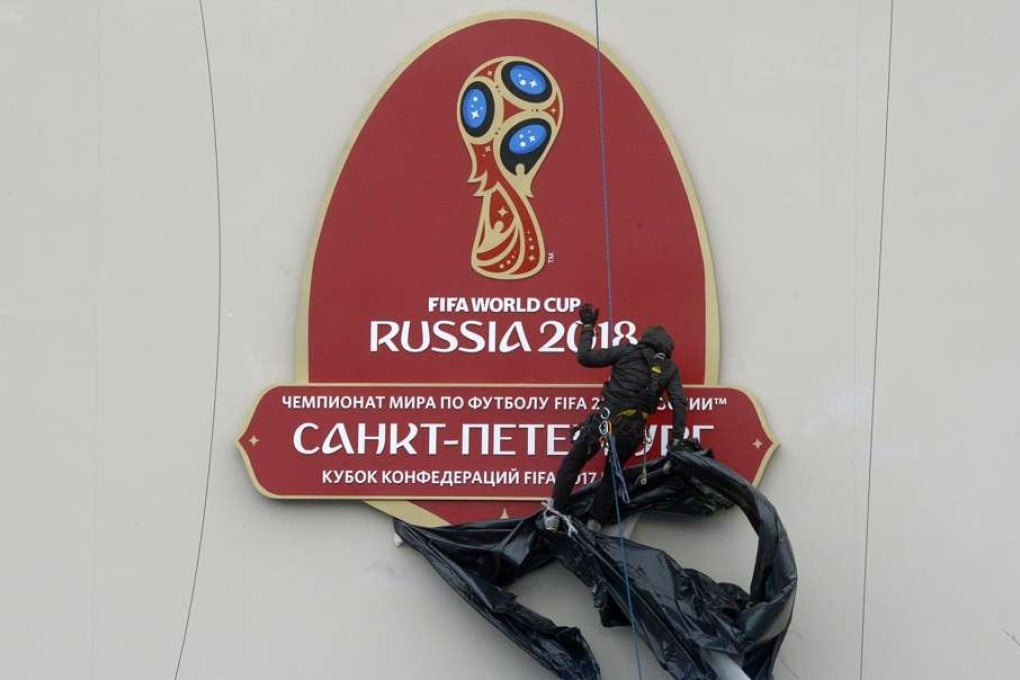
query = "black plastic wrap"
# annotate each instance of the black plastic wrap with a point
(678, 612)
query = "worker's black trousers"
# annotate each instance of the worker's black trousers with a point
(629, 434)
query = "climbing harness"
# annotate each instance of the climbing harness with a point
(646, 446)
(607, 443)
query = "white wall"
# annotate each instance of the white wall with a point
(944, 533)
(108, 325)
(140, 316)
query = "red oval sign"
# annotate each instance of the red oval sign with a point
(473, 212)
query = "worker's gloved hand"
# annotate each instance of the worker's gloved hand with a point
(588, 314)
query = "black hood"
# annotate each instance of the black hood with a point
(658, 339)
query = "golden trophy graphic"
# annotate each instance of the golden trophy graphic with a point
(509, 112)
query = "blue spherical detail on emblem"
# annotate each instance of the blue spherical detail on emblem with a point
(529, 79)
(527, 139)
(475, 107)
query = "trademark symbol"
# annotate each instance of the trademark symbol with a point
(720, 401)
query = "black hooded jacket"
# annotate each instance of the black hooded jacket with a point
(630, 381)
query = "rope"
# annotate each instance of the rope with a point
(605, 171)
(614, 459)
(623, 549)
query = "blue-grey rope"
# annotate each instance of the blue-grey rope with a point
(614, 460)
(605, 171)
(616, 470)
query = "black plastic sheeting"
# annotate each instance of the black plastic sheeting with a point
(678, 612)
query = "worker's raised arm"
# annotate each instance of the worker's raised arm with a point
(586, 354)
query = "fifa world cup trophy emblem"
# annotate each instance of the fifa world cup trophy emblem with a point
(509, 112)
